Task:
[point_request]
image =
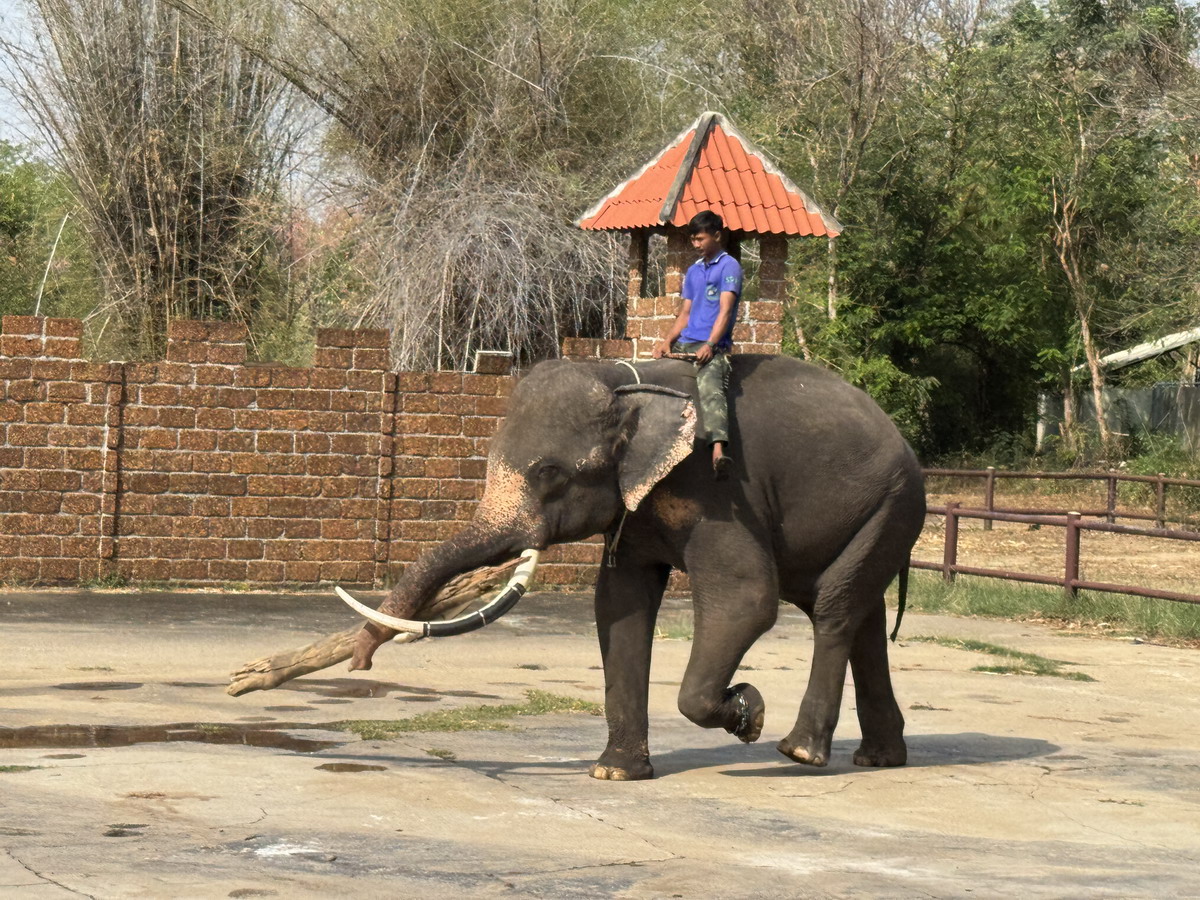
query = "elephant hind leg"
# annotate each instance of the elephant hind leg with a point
(848, 627)
(879, 715)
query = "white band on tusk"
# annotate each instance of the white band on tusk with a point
(502, 603)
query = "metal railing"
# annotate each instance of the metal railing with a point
(1074, 524)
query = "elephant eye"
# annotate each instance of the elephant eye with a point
(548, 479)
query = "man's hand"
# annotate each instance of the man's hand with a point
(661, 349)
(704, 354)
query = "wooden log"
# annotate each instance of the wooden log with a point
(454, 598)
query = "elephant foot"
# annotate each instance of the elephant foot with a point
(750, 707)
(807, 753)
(881, 754)
(618, 765)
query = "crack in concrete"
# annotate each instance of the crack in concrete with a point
(1036, 786)
(37, 874)
(246, 824)
(608, 865)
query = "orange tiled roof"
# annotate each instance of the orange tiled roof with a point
(711, 166)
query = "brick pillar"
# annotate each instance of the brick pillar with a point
(650, 318)
(759, 329)
(639, 252)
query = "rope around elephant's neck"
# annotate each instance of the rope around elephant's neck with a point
(610, 543)
(632, 368)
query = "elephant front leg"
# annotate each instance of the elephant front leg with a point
(627, 601)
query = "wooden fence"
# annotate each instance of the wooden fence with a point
(1073, 522)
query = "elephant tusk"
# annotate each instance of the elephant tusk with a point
(499, 605)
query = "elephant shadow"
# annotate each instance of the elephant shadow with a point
(762, 760)
(968, 748)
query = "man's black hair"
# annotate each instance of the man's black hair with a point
(707, 220)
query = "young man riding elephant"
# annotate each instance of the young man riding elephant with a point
(707, 311)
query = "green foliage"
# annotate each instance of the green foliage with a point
(473, 718)
(1118, 613)
(35, 202)
(1025, 663)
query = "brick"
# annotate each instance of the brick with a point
(305, 399)
(249, 507)
(194, 330)
(45, 413)
(226, 354)
(66, 391)
(227, 570)
(26, 391)
(214, 375)
(63, 348)
(333, 357)
(195, 439)
(23, 325)
(27, 435)
(312, 443)
(274, 442)
(332, 379)
(235, 441)
(252, 375)
(374, 360)
(446, 382)
(220, 419)
(336, 337)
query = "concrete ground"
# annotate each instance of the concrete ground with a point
(1017, 785)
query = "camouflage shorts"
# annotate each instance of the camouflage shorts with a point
(712, 383)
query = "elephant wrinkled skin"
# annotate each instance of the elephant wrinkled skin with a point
(823, 506)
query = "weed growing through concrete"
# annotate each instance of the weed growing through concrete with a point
(1025, 663)
(108, 582)
(447, 755)
(471, 718)
(674, 627)
(19, 768)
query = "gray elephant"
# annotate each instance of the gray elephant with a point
(823, 506)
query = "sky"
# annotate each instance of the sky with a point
(15, 28)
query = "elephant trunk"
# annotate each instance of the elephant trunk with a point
(476, 546)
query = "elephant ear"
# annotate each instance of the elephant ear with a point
(660, 428)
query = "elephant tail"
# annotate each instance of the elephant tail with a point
(902, 590)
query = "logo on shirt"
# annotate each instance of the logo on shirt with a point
(731, 279)
(711, 291)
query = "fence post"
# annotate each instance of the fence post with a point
(990, 496)
(950, 552)
(1112, 496)
(1071, 568)
(1161, 510)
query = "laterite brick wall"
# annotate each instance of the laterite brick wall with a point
(206, 469)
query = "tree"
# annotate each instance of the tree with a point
(472, 136)
(175, 144)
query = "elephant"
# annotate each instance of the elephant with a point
(823, 506)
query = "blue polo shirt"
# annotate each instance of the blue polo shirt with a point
(703, 285)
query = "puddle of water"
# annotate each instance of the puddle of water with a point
(64, 756)
(277, 736)
(357, 689)
(99, 686)
(329, 700)
(194, 684)
(350, 767)
(255, 719)
(122, 830)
